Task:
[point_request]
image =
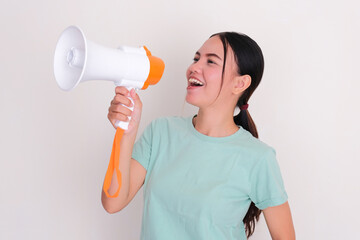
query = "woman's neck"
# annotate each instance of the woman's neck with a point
(214, 123)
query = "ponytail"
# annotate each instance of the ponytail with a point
(244, 120)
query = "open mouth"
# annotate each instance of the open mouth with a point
(195, 83)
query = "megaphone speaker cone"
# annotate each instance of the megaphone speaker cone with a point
(70, 58)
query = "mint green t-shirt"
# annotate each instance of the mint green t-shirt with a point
(200, 187)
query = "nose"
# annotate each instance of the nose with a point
(195, 67)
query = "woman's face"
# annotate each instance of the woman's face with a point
(205, 73)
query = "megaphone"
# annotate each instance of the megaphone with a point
(78, 59)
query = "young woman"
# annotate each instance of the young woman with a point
(207, 176)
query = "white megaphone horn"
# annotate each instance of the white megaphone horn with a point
(78, 59)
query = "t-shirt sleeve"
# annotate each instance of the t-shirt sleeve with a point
(267, 187)
(143, 146)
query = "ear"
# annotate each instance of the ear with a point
(241, 83)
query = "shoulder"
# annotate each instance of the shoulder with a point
(255, 148)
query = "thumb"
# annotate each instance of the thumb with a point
(135, 97)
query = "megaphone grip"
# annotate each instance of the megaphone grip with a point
(121, 124)
(114, 165)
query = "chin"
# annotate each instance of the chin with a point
(192, 101)
(195, 101)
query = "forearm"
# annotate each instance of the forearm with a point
(113, 205)
(290, 236)
(284, 238)
(279, 222)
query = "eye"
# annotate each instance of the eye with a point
(210, 61)
(195, 59)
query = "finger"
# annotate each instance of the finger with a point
(113, 117)
(120, 109)
(135, 98)
(121, 90)
(119, 99)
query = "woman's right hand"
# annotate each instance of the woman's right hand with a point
(119, 112)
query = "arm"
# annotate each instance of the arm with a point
(132, 173)
(137, 178)
(279, 222)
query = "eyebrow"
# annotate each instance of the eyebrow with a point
(209, 55)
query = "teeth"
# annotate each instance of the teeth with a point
(194, 81)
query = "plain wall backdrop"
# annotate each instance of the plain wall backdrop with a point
(55, 146)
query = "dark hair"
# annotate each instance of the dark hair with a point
(250, 61)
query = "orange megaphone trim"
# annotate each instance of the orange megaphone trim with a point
(157, 67)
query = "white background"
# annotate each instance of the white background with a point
(55, 145)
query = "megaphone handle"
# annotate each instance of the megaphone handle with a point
(125, 125)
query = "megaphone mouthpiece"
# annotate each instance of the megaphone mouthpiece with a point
(157, 67)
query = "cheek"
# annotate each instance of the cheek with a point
(214, 76)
